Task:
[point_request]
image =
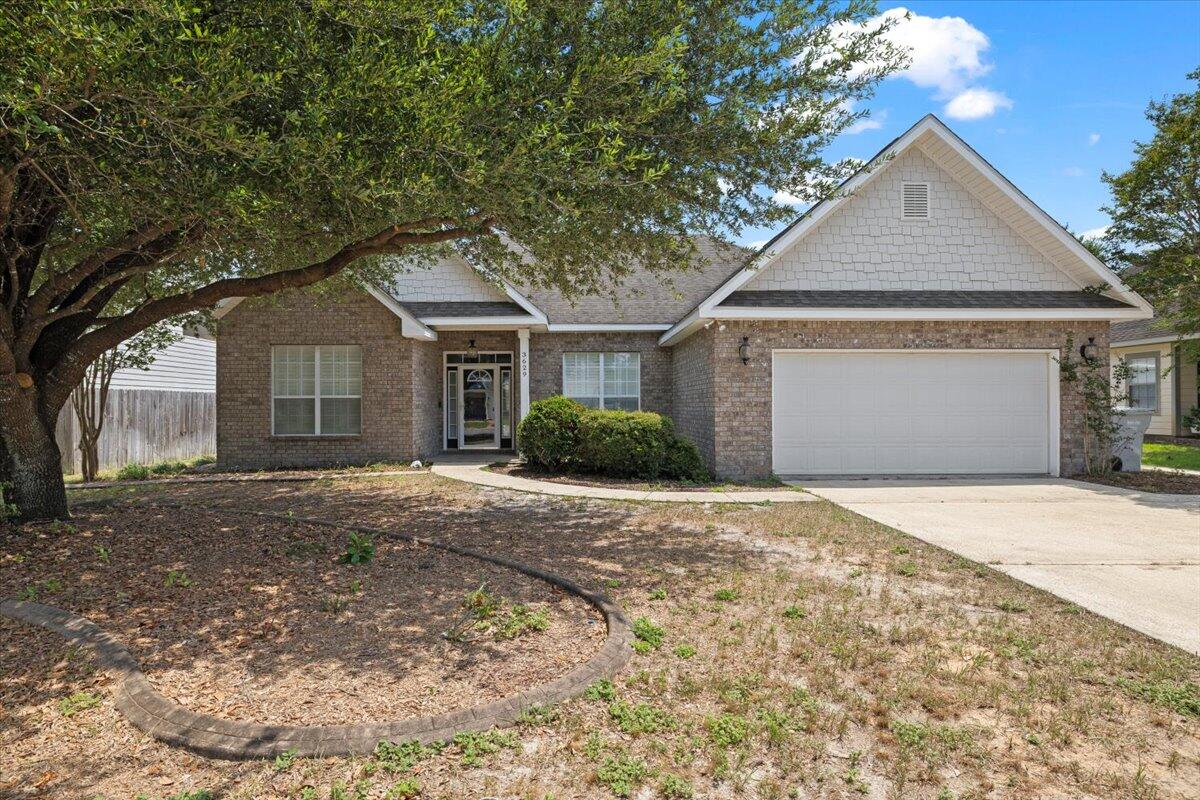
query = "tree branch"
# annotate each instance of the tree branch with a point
(394, 239)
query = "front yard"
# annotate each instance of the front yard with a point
(784, 651)
(1175, 456)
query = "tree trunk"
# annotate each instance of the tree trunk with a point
(33, 468)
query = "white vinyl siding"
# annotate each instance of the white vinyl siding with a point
(1162, 422)
(898, 413)
(611, 381)
(316, 391)
(188, 365)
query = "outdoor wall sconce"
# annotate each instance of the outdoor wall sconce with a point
(744, 350)
(472, 350)
(1089, 351)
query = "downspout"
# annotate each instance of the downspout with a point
(1177, 401)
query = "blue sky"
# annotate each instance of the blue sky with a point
(1051, 93)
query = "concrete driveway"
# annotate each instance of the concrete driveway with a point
(1133, 557)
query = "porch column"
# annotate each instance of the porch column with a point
(523, 371)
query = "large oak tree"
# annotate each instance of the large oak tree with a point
(157, 156)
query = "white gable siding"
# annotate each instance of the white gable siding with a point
(450, 280)
(866, 245)
(189, 365)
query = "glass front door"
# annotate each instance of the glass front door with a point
(480, 407)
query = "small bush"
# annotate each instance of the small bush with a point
(683, 461)
(625, 444)
(674, 787)
(640, 718)
(727, 729)
(133, 472)
(601, 690)
(548, 437)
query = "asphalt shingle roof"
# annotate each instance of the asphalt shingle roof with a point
(464, 309)
(646, 297)
(918, 299)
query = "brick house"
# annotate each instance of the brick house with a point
(910, 324)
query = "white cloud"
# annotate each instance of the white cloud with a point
(947, 55)
(872, 123)
(976, 104)
(1072, 172)
(1093, 138)
(1094, 233)
(788, 199)
(757, 244)
(946, 52)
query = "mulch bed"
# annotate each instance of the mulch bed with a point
(1150, 480)
(577, 479)
(255, 619)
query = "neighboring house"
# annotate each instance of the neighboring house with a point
(167, 411)
(912, 323)
(1164, 375)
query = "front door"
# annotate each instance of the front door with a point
(480, 409)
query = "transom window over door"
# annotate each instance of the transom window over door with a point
(1143, 381)
(316, 390)
(612, 381)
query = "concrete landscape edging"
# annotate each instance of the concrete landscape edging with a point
(150, 711)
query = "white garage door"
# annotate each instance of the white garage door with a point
(904, 412)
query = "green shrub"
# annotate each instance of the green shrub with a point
(133, 472)
(625, 444)
(548, 437)
(683, 462)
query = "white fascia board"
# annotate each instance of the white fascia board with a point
(1101, 270)
(410, 326)
(877, 164)
(815, 215)
(682, 329)
(225, 306)
(524, 302)
(475, 323)
(601, 327)
(964, 314)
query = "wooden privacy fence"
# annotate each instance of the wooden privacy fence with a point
(144, 426)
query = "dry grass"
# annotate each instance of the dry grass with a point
(804, 652)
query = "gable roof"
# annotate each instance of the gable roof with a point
(647, 297)
(975, 174)
(1144, 331)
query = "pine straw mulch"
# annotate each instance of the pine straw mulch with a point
(805, 652)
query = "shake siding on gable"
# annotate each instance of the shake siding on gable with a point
(451, 280)
(866, 245)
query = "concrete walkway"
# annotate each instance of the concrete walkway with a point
(472, 471)
(1131, 556)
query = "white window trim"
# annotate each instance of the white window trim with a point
(603, 354)
(316, 396)
(1157, 407)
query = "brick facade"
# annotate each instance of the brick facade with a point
(244, 340)
(715, 400)
(742, 392)
(546, 352)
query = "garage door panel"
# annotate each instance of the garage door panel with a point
(904, 412)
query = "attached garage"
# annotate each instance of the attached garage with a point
(901, 412)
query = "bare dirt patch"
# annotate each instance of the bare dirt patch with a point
(789, 651)
(256, 619)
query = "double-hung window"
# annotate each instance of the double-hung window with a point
(1143, 381)
(612, 381)
(316, 390)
